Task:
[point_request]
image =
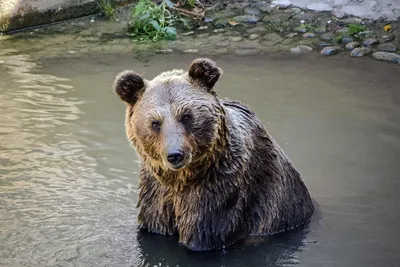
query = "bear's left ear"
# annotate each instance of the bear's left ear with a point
(204, 72)
(129, 86)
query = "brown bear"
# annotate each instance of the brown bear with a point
(210, 172)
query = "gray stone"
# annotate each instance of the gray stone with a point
(203, 28)
(257, 29)
(282, 3)
(223, 14)
(165, 51)
(301, 49)
(320, 30)
(350, 46)
(386, 56)
(254, 36)
(272, 38)
(307, 16)
(279, 17)
(322, 45)
(329, 36)
(370, 42)
(247, 52)
(346, 40)
(330, 50)
(218, 30)
(309, 35)
(246, 19)
(387, 38)
(388, 47)
(319, 7)
(236, 38)
(267, 8)
(360, 52)
(221, 23)
(251, 11)
(223, 44)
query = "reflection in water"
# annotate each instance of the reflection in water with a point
(68, 178)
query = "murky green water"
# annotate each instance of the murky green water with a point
(68, 176)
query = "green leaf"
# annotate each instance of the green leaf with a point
(170, 32)
(169, 3)
(155, 25)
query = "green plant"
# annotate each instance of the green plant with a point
(188, 2)
(155, 22)
(355, 29)
(308, 26)
(107, 8)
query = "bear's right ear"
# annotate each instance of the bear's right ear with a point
(129, 85)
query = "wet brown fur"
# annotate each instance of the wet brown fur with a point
(237, 180)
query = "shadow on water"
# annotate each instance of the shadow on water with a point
(256, 251)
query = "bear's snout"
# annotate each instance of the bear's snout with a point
(175, 158)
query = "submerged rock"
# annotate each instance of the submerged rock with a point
(386, 56)
(271, 39)
(370, 42)
(257, 29)
(247, 52)
(330, 50)
(254, 36)
(252, 11)
(387, 38)
(387, 47)
(350, 46)
(236, 38)
(279, 17)
(360, 52)
(346, 40)
(223, 44)
(329, 36)
(246, 19)
(301, 49)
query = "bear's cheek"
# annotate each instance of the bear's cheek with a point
(148, 141)
(204, 131)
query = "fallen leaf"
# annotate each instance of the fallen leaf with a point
(233, 23)
(387, 27)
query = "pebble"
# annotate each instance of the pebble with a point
(387, 38)
(191, 51)
(328, 36)
(266, 8)
(319, 7)
(282, 3)
(360, 52)
(254, 36)
(165, 51)
(236, 38)
(203, 28)
(350, 46)
(246, 18)
(387, 47)
(301, 49)
(207, 20)
(72, 52)
(294, 10)
(273, 37)
(370, 42)
(386, 56)
(246, 52)
(223, 44)
(92, 20)
(329, 50)
(251, 11)
(309, 35)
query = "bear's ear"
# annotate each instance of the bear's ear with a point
(204, 72)
(129, 85)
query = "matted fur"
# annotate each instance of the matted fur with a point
(236, 181)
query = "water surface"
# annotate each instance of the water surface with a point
(68, 185)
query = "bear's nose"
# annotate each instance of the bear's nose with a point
(175, 158)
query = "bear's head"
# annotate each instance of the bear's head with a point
(175, 121)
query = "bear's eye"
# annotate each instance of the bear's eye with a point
(156, 125)
(185, 119)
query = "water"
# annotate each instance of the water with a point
(68, 176)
